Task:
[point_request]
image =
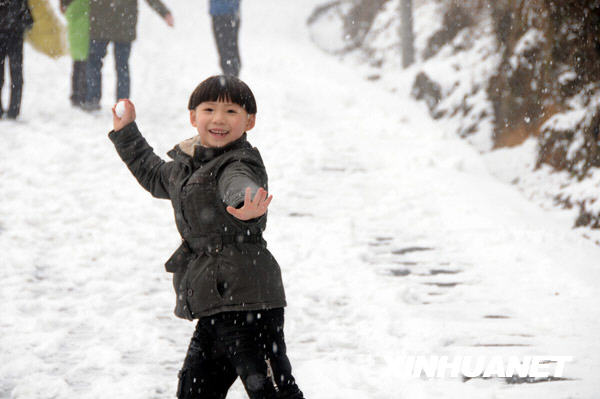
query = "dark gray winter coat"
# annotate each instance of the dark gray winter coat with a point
(15, 16)
(223, 263)
(116, 20)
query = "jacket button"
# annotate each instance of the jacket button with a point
(190, 292)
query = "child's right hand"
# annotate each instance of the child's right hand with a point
(128, 115)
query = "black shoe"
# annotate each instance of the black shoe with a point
(77, 104)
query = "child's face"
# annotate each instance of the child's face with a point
(220, 123)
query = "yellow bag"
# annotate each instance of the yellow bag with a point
(48, 34)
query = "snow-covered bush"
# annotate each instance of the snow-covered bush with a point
(498, 72)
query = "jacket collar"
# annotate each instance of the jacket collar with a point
(191, 151)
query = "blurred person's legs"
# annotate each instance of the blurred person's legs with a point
(226, 31)
(78, 33)
(15, 57)
(78, 83)
(3, 55)
(94, 74)
(11, 47)
(122, 52)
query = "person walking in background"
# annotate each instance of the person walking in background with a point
(226, 26)
(113, 21)
(77, 13)
(15, 19)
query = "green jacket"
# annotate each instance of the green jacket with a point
(223, 263)
(78, 27)
(116, 20)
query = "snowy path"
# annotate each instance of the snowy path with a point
(393, 237)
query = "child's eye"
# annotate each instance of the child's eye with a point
(208, 109)
(232, 111)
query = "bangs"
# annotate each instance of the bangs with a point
(224, 88)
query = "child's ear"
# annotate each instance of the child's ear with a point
(251, 121)
(193, 117)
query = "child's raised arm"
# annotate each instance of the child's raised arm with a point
(150, 170)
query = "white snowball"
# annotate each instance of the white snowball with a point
(120, 109)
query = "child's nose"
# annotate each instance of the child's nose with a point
(218, 116)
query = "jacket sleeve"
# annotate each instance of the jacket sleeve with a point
(159, 7)
(148, 168)
(236, 177)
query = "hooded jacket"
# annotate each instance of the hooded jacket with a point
(223, 263)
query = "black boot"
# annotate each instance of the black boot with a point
(15, 106)
(78, 83)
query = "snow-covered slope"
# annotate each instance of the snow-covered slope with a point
(393, 237)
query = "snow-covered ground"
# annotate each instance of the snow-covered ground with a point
(393, 235)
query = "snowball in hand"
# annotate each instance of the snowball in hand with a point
(120, 109)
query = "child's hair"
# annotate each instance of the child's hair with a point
(224, 88)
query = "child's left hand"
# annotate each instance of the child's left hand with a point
(252, 208)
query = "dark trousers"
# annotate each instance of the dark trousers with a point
(94, 69)
(226, 29)
(11, 47)
(246, 344)
(78, 82)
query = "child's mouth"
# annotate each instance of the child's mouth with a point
(218, 132)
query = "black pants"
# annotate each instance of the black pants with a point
(245, 344)
(226, 29)
(11, 47)
(78, 83)
(94, 69)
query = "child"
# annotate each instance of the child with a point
(223, 274)
(15, 19)
(226, 26)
